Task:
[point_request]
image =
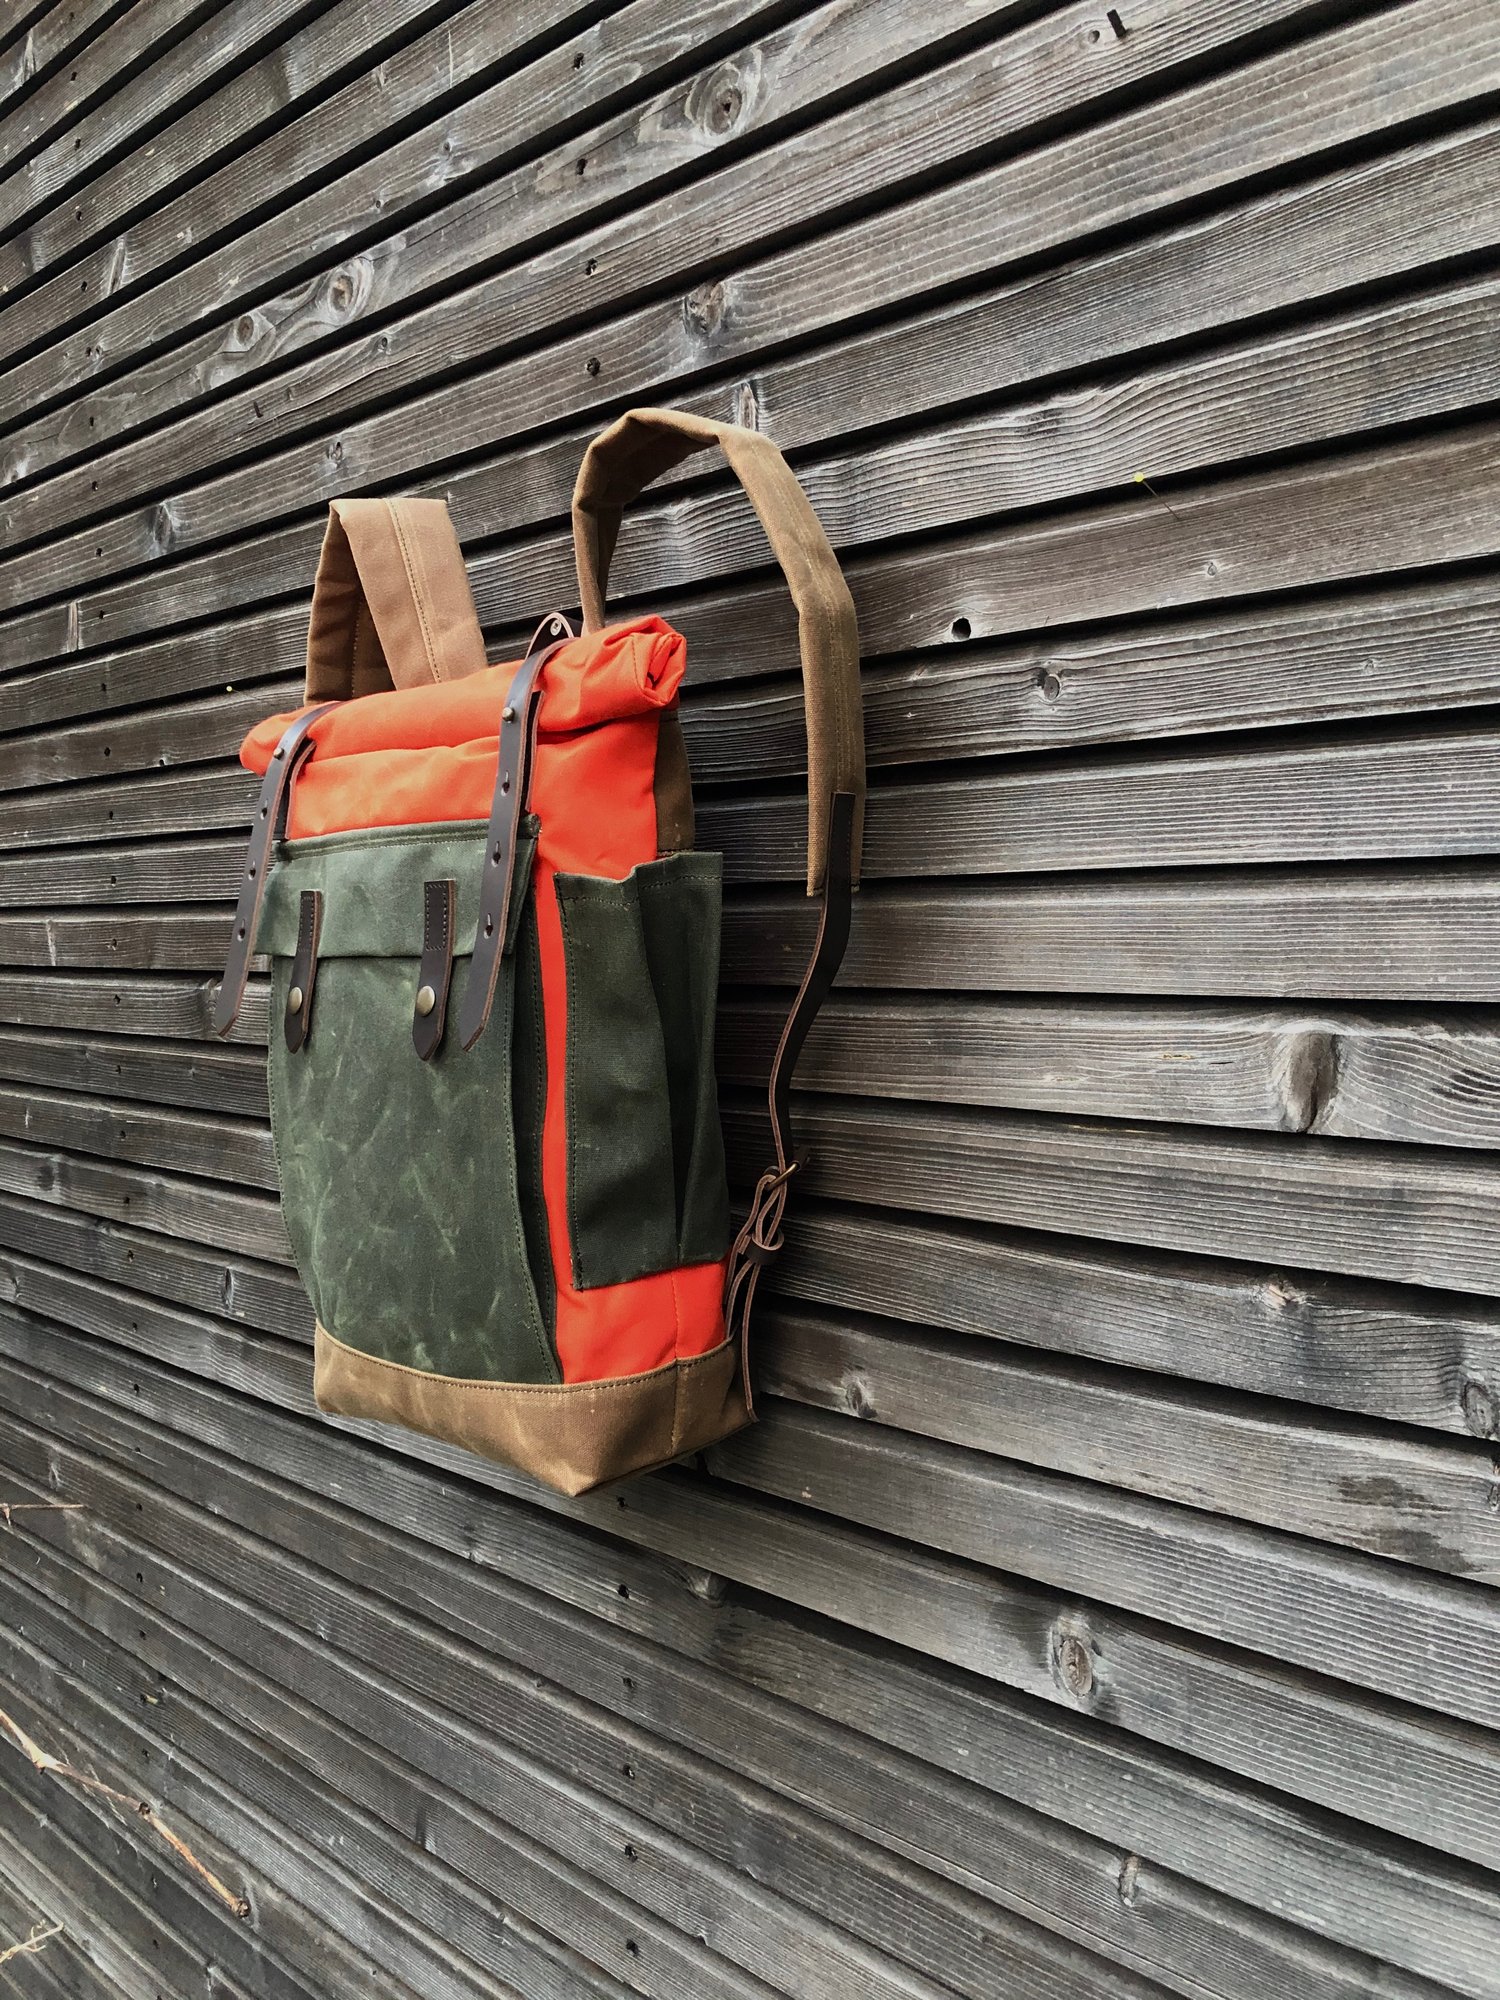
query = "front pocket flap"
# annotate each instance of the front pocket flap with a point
(372, 881)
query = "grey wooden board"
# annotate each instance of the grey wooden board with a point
(1354, 798)
(1321, 1204)
(76, 1901)
(1415, 1502)
(34, 48)
(1430, 647)
(311, 1943)
(1301, 1731)
(1416, 935)
(1417, 1359)
(635, 148)
(138, 188)
(294, 156)
(97, 67)
(179, 1008)
(945, 112)
(237, 30)
(342, 1935)
(655, 1778)
(68, 118)
(658, 1866)
(651, 1779)
(144, 1926)
(57, 1970)
(1166, 280)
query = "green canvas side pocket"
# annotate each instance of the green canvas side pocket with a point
(399, 1178)
(646, 1180)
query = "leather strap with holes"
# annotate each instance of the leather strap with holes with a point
(512, 778)
(760, 1241)
(270, 821)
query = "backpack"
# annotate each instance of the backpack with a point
(494, 962)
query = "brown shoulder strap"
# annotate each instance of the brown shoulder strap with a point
(645, 443)
(391, 604)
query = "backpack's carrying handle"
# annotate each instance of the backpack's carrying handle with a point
(642, 445)
(391, 602)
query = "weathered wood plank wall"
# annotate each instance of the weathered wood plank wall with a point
(1108, 1602)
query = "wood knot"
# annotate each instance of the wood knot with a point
(857, 1398)
(705, 309)
(1072, 1663)
(719, 101)
(1477, 1400)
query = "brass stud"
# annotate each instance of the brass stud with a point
(426, 1000)
(294, 1001)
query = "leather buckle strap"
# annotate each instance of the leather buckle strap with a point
(435, 973)
(760, 1241)
(512, 780)
(270, 822)
(297, 1023)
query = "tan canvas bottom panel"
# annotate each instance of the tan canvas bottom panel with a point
(573, 1437)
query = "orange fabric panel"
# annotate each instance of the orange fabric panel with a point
(428, 754)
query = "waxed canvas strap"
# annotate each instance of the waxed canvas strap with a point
(639, 448)
(391, 603)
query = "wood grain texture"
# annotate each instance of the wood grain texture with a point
(590, 1667)
(1105, 1602)
(322, 48)
(405, 1717)
(939, 115)
(1134, 1674)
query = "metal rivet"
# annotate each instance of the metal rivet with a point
(281, 750)
(426, 999)
(489, 926)
(294, 1001)
(507, 714)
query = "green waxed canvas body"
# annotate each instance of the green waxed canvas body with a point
(446, 1268)
(646, 1177)
(413, 1262)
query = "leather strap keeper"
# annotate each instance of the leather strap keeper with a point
(297, 1023)
(435, 973)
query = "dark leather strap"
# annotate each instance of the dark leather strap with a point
(760, 1241)
(299, 993)
(270, 821)
(512, 777)
(435, 973)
